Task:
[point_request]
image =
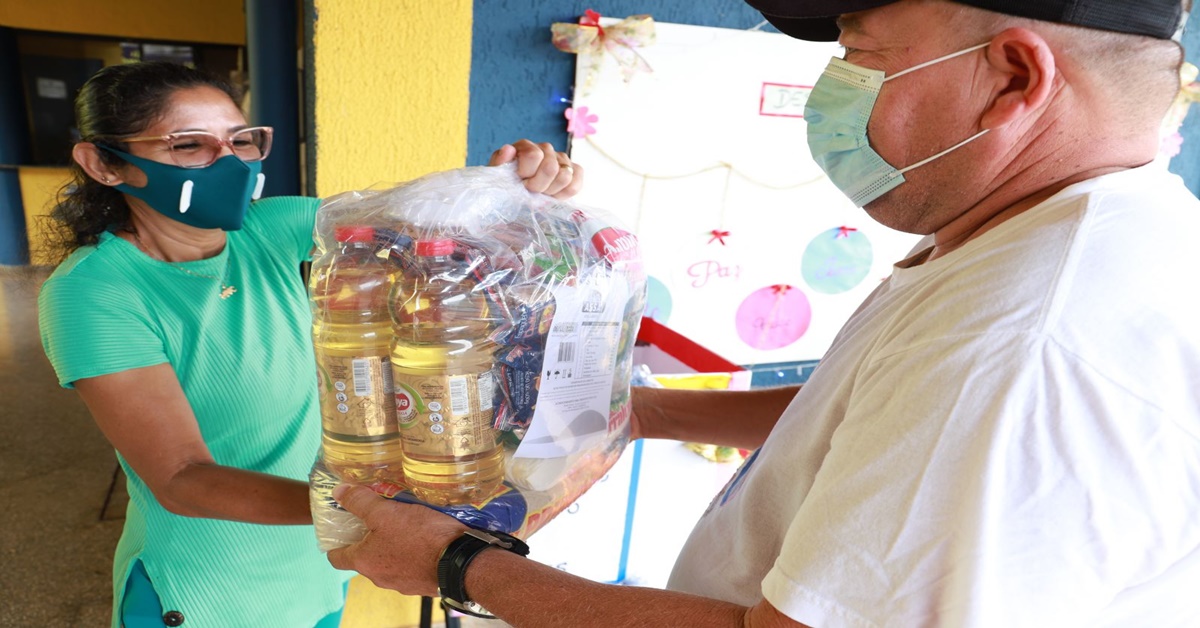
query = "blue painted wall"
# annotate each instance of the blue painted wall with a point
(519, 80)
(1187, 163)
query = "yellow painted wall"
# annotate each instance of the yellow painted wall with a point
(391, 81)
(391, 85)
(39, 188)
(197, 21)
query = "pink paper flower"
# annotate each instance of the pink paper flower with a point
(579, 121)
(1171, 145)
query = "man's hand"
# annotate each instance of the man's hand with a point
(404, 542)
(402, 545)
(542, 168)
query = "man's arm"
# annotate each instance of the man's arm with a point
(719, 417)
(401, 552)
(524, 593)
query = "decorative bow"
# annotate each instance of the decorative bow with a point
(589, 40)
(780, 289)
(844, 232)
(718, 236)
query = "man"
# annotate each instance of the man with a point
(1007, 432)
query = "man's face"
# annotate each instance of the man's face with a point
(919, 114)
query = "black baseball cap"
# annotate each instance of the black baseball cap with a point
(815, 20)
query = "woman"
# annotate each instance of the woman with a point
(181, 319)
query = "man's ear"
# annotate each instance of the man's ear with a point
(88, 156)
(1025, 60)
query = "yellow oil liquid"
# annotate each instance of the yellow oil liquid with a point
(442, 365)
(449, 456)
(360, 440)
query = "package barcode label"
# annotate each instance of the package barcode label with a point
(485, 391)
(362, 377)
(566, 352)
(460, 404)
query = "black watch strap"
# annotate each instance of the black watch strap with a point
(452, 566)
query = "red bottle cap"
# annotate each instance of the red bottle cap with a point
(434, 248)
(354, 233)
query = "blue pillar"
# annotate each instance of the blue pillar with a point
(271, 29)
(14, 151)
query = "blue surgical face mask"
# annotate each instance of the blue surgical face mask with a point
(214, 197)
(837, 113)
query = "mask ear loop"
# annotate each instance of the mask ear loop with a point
(957, 146)
(937, 60)
(941, 154)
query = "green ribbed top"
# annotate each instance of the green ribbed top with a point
(247, 367)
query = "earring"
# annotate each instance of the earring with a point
(105, 179)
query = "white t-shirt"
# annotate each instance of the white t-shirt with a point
(1005, 436)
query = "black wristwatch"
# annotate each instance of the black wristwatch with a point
(452, 566)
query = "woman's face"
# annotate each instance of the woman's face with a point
(189, 109)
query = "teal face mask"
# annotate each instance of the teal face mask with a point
(214, 197)
(837, 113)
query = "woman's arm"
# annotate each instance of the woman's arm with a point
(729, 418)
(143, 412)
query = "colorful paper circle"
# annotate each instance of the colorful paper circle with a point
(837, 260)
(658, 300)
(773, 317)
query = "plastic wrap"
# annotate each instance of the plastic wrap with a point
(474, 347)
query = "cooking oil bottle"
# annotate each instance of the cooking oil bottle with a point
(442, 368)
(352, 336)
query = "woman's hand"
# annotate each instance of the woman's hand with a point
(542, 168)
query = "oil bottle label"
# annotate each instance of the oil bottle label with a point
(356, 396)
(445, 415)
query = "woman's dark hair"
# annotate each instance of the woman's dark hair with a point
(118, 101)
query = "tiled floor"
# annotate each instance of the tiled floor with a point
(56, 469)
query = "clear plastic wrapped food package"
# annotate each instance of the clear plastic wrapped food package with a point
(474, 347)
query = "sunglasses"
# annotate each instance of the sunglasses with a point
(198, 149)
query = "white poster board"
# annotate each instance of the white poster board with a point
(751, 251)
